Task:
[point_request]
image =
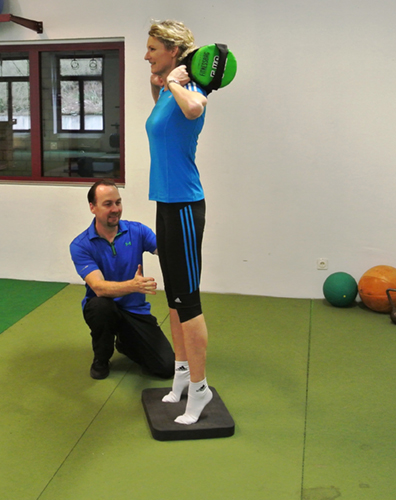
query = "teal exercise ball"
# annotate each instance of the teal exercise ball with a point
(340, 289)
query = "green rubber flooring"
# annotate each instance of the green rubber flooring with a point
(18, 298)
(311, 388)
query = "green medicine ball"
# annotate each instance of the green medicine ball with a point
(340, 289)
(212, 66)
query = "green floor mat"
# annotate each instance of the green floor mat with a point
(20, 297)
(311, 389)
(65, 436)
(350, 425)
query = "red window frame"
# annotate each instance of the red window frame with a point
(34, 51)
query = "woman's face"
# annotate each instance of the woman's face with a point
(162, 60)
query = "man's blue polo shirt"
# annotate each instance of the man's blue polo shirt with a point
(117, 261)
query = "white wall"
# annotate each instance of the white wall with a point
(297, 156)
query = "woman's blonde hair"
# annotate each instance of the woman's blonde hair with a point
(173, 34)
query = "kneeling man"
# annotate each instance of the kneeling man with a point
(109, 257)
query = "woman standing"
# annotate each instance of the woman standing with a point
(173, 128)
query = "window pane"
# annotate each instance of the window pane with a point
(14, 67)
(93, 105)
(70, 105)
(3, 102)
(81, 66)
(20, 105)
(15, 137)
(92, 150)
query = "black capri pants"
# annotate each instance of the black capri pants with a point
(179, 229)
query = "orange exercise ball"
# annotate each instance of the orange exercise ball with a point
(373, 285)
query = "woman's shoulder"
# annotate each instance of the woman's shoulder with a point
(194, 87)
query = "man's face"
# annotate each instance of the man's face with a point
(108, 207)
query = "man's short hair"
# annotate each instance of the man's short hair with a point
(92, 192)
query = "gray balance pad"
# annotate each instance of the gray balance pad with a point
(214, 422)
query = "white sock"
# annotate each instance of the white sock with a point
(199, 395)
(180, 382)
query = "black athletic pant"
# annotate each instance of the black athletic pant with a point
(179, 229)
(138, 336)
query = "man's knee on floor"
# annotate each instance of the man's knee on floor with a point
(162, 364)
(167, 370)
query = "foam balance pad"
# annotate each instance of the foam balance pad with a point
(214, 422)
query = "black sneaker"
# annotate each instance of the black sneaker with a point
(99, 369)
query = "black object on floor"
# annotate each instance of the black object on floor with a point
(214, 422)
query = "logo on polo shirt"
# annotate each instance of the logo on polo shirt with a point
(128, 243)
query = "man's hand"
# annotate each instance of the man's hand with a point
(142, 284)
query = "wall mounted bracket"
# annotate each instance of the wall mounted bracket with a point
(27, 23)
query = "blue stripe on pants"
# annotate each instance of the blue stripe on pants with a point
(190, 247)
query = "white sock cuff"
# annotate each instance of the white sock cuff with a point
(198, 386)
(180, 364)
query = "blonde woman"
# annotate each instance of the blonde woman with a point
(173, 129)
